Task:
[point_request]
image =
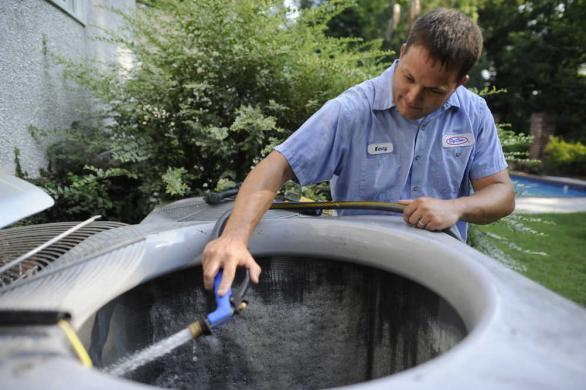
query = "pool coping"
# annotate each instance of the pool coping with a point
(541, 204)
(581, 184)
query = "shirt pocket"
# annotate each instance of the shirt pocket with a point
(449, 170)
(380, 177)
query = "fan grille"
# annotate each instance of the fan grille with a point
(17, 241)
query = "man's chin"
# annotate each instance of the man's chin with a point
(412, 114)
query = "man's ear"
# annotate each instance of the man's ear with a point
(403, 50)
(464, 80)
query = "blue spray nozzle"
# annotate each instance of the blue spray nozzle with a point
(224, 309)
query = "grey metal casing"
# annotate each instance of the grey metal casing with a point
(521, 335)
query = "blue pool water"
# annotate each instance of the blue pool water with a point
(527, 187)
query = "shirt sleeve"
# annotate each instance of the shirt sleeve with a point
(489, 157)
(316, 150)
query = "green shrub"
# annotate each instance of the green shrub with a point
(215, 85)
(566, 157)
(516, 149)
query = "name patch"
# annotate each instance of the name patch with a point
(380, 148)
(457, 140)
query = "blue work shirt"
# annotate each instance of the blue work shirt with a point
(368, 151)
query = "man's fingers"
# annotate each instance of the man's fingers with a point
(227, 279)
(415, 218)
(254, 270)
(408, 211)
(210, 270)
(209, 276)
(227, 255)
(431, 226)
(414, 214)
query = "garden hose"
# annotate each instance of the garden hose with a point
(314, 208)
(348, 205)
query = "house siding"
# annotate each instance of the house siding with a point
(33, 91)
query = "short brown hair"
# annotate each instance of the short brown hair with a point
(450, 37)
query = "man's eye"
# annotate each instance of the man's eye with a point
(410, 79)
(437, 92)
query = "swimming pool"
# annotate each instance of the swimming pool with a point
(534, 187)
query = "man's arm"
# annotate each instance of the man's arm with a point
(493, 198)
(254, 198)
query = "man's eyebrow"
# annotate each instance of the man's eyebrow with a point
(439, 88)
(408, 74)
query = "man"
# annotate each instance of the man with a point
(414, 133)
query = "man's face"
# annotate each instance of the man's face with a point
(421, 85)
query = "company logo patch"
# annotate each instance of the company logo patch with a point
(380, 148)
(456, 140)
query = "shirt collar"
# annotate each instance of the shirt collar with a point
(383, 91)
(453, 100)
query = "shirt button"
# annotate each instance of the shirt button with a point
(416, 189)
(417, 157)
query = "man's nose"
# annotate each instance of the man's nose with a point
(415, 95)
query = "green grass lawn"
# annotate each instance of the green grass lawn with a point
(564, 268)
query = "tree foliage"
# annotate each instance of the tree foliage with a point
(215, 84)
(536, 50)
(373, 19)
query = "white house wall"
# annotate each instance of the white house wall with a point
(32, 88)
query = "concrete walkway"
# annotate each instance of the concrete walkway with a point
(534, 205)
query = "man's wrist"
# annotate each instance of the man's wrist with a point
(236, 235)
(459, 206)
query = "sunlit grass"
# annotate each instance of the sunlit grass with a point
(563, 269)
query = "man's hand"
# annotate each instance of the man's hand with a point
(254, 198)
(430, 213)
(493, 198)
(227, 254)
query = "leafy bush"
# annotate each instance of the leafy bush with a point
(94, 192)
(516, 149)
(566, 157)
(214, 86)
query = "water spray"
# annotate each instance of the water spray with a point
(226, 307)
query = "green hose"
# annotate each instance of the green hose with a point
(349, 205)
